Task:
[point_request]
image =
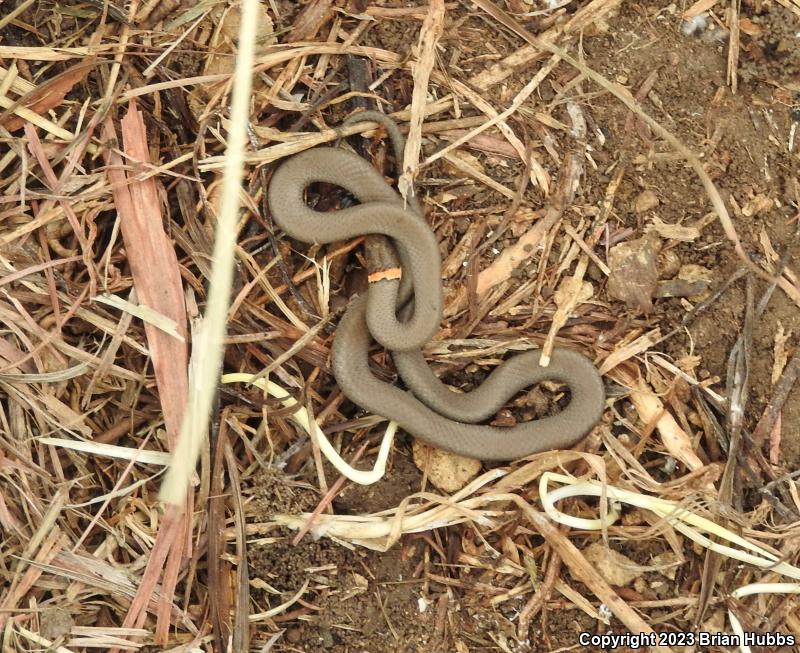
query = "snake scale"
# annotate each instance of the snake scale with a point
(403, 314)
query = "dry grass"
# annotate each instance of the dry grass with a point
(122, 242)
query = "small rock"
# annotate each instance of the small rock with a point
(55, 623)
(447, 471)
(679, 288)
(645, 201)
(668, 264)
(692, 273)
(634, 274)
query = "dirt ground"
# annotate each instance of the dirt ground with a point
(463, 588)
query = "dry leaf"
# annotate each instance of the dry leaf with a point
(770, 255)
(748, 27)
(669, 561)
(572, 292)
(447, 471)
(466, 158)
(626, 351)
(650, 408)
(756, 205)
(614, 567)
(634, 272)
(673, 231)
(425, 55)
(68, 418)
(779, 353)
(154, 265)
(222, 61)
(50, 94)
(698, 8)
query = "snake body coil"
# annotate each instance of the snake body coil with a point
(431, 411)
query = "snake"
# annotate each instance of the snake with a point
(402, 312)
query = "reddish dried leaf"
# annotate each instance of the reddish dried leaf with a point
(154, 266)
(156, 277)
(50, 94)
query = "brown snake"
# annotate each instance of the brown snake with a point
(430, 410)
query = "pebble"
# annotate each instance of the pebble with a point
(668, 263)
(645, 201)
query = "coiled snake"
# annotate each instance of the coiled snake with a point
(403, 314)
